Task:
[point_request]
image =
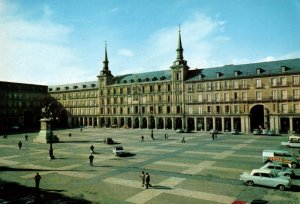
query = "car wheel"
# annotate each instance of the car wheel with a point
(250, 183)
(281, 187)
(294, 165)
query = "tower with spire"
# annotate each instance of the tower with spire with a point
(179, 67)
(105, 77)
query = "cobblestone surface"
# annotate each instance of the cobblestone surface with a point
(198, 171)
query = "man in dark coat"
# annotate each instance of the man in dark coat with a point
(37, 179)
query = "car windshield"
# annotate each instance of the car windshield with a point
(119, 148)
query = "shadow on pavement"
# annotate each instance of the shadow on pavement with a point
(11, 192)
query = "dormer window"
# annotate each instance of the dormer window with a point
(93, 85)
(57, 89)
(66, 87)
(284, 69)
(259, 70)
(236, 73)
(75, 87)
(50, 89)
(83, 86)
(218, 74)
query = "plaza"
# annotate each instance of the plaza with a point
(201, 170)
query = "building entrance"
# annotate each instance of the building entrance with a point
(259, 117)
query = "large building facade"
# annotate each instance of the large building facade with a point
(242, 97)
(20, 105)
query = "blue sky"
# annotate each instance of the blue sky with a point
(56, 42)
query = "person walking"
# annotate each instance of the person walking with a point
(92, 149)
(20, 144)
(143, 177)
(147, 178)
(91, 158)
(142, 138)
(213, 136)
(183, 140)
(166, 136)
(26, 137)
(37, 179)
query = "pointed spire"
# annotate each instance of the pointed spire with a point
(105, 62)
(179, 48)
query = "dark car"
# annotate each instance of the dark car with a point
(109, 140)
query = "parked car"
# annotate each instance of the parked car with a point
(280, 169)
(266, 177)
(294, 138)
(109, 140)
(290, 144)
(180, 130)
(256, 132)
(280, 156)
(117, 151)
(235, 132)
(271, 132)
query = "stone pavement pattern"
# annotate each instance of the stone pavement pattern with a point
(198, 171)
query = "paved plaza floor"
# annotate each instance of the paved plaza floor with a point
(201, 170)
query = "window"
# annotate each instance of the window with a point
(121, 90)
(208, 109)
(217, 85)
(235, 84)
(226, 84)
(143, 110)
(200, 98)
(244, 96)
(244, 83)
(227, 109)
(159, 109)
(177, 76)
(169, 98)
(159, 88)
(273, 82)
(295, 80)
(274, 94)
(178, 108)
(168, 109)
(296, 108)
(169, 87)
(128, 90)
(217, 96)
(208, 86)
(190, 98)
(200, 110)
(296, 93)
(258, 95)
(284, 108)
(283, 81)
(208, 97)
(258, 83)
(199, 87)
(236, 108)
(151, 88)
(190, 110)
(218, 109)
(226, 96)
(190, 87)
(283, 94)
(235, 96)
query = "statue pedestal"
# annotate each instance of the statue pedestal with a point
(45, 133)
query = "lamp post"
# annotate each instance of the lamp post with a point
(51, 156)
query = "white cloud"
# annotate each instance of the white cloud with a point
(37, 51)
(125, 52)
(268, 59)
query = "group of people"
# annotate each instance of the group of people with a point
(145, 180)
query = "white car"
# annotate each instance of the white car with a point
(266, 177)
(117, 151)
(279, 168)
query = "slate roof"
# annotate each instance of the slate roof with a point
(246, 70)
(143, 77)
(74, 86)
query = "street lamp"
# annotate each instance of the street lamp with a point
(51, 156)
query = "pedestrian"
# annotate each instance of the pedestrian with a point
(20, 144)
(152, 137)
(213, 136)
(70, 134)
(147, 178)
(143, 177)
(142, 138)
(92, 149)
(91, 157)
(81, 129)
(166, 136)
(26, 137)
(37, 179)
(183, 140)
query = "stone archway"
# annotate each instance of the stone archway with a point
(178, 123)
(136, 123)
(160, 124)
(169, 123)
(259, 117)
(144, 124)
(129, 122)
